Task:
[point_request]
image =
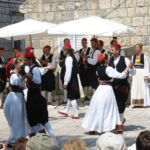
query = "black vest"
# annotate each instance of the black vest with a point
(101, 70)
(93, 67)
(120, 67)
(49, 59)
(75, 69)
(62, 58)
(87, 53)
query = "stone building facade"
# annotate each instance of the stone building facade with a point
(9, 13)
(134, 13)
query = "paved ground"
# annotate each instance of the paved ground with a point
(137, 120)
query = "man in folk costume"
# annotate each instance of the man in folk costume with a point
(121, 86)
(3, 77)
(100, 46)
(140, 89)
(62, 58)
(103, 115)
(70, 80)
(115, 41)
(36, 105)
(48, 79)
(92, 64)
(83, 66)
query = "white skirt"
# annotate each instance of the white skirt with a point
(139, 90)
(103, 114)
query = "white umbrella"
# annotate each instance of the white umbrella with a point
(93, 26)
(27, 27)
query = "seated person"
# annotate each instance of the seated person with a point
(74, 144)
(110, 141)
(41, 141)
(20, 144)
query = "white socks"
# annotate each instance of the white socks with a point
(68, 107)
(65, 95)
(75, 107)
(122, 117)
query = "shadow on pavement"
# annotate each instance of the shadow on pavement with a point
(133, 128)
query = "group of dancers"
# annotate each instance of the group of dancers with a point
(106, 73)
(30, 117)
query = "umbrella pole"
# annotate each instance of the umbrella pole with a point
(75, 42)
(12, 42)
(30, 38)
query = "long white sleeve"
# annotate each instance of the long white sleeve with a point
(146, 66)
(131, 71)
(36, 75)
(111, 72)
(69, 65)
(93, 60)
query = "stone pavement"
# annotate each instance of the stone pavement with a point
(137, 120)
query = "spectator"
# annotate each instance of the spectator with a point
(41, 141)
(143, 141)
(110, 141)
(20, 144)
(140, 88)
(75, 144)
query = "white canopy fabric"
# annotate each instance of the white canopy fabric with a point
(27, 27)
(93, 26)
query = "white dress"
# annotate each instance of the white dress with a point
(140, 88)
(103, 114)
(15, 112)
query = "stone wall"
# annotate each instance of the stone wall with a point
(9, 13)
(134, 13)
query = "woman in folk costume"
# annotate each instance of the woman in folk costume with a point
(103, 114)
(14, 106)
(70, 80)
(36, 105)
(140, 89)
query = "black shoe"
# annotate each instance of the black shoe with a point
(10, 145)
(32, 134)
(42, 131)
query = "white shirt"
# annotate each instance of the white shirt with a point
(69, 66)
(127, 62)
(111, 72)
(93, 60)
